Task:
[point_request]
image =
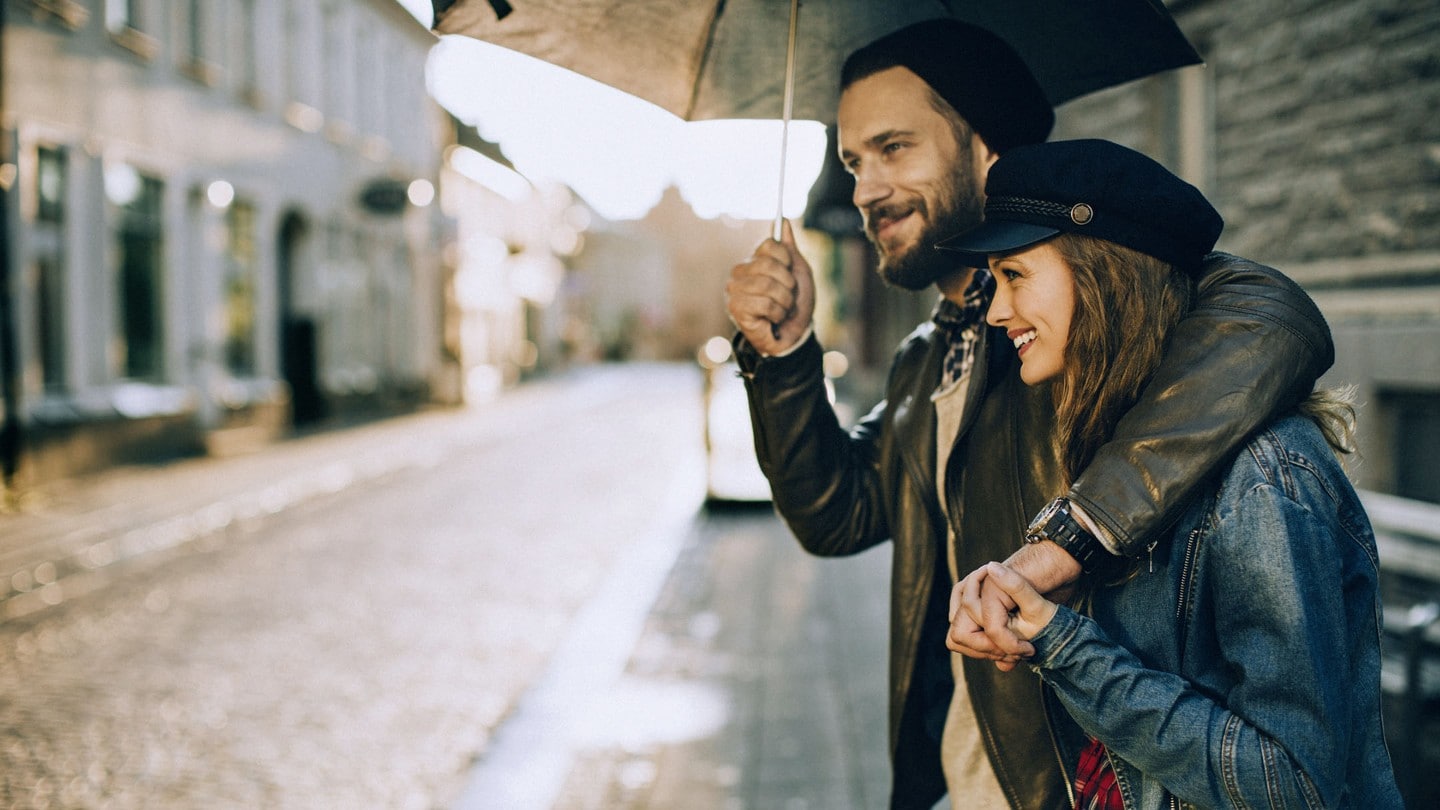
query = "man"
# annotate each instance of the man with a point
(954, 461)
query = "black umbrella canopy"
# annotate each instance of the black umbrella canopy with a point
(727, 58)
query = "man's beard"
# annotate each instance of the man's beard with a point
(958, 208)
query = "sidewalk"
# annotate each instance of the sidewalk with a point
(757, 682)
(72, 536)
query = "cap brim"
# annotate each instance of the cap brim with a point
(978, 244)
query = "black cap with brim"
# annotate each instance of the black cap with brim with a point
(976, 246)
(1092, 188)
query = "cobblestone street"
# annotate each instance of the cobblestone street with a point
(356, 649)
(374, 617)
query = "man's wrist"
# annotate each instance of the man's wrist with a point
(1057, 524)
(794, 347)
(750, 358)
(1045, 566)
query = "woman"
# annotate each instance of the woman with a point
(1239, 665)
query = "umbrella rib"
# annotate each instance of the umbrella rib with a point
(716, 13)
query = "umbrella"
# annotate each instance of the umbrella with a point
(727, 58)
(740, 58)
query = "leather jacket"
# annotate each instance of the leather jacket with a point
(1253, 346)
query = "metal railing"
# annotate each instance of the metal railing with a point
(1407, 533)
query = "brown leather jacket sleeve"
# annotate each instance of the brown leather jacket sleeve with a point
(825, 480)
(1251, 349)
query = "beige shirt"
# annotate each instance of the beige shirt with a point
(969, 777)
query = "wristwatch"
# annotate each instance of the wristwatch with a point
(1059, 525)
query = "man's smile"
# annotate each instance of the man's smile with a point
(886, 223)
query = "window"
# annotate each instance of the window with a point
(50, 321)
(140, 265)
(240, 289)
(195, 31)
(50, 184)
(122, 21)
(290, 52)
(1415, 420)
(194, 54)
(366, 72)
(51, 190)
(334, 71)
(120, 16)
(244, 58)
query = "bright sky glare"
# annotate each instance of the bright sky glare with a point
(618, 152)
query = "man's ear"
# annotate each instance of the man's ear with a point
(985, 157)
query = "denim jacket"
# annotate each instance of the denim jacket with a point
(1259, 685)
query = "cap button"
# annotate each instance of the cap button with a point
(1081, 214)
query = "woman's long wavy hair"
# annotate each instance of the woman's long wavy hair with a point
(1126, 304)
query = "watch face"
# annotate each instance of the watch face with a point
(1038, 528)
(1046, 514)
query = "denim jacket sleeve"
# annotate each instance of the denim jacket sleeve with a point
(1277, 735)
(1252, 348)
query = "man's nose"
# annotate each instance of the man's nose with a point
(870, 187)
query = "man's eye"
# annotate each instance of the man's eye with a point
(892, 147)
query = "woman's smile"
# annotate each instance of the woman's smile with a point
(1034, 301)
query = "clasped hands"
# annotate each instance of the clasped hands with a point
(998, 608)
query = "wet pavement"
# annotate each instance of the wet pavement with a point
(762, 673)
(518, 605)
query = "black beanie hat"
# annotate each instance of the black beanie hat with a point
(975, 71)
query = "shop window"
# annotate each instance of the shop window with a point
(240, 289)
(50, 321)
(50, 184)
(51, 191)
(140, 266)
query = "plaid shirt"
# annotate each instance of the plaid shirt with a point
(961, 326)
(1095, 787)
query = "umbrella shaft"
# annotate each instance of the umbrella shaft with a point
(785, 116)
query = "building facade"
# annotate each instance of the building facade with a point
(1313, 127)
(221, 222)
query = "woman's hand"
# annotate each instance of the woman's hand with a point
(980, 613)
(1031, 611)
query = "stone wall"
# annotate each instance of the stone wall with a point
(1315, 128)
